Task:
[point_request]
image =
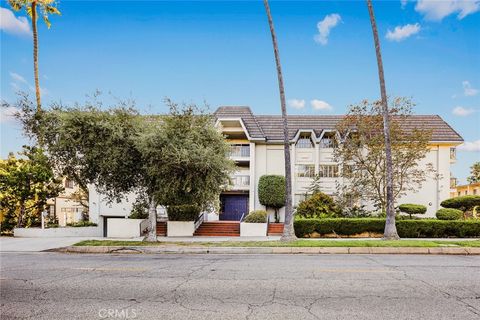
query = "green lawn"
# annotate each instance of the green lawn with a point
(298, 243)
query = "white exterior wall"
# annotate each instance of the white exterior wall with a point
(269, 159)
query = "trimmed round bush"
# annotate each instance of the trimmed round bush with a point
(257, 216)
(318, 205)
(449, 214)
(464, 203)
(183, 212)
(272, 192)
(410, 208)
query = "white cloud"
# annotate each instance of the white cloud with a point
(11, 24)
(437, 10)
(18, 78)
(468, 90)
(320, 105)
(462, 112)
(473, 146)
(324, 27)
(296, 103)
(403, 32)
(7, 114)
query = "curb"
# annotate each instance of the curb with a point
(270, 250)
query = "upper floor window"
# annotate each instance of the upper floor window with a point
(328, 140)
(69, 184)
(453, 153)
(328, 171)
(305, 141)
(306, 170)
(240, 150)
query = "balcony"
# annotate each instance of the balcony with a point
(240, 182)
(240, 152)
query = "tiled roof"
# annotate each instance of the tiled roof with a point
(269, 127)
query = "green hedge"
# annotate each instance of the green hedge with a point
(184, 212)
(449, 214)
(424, 228)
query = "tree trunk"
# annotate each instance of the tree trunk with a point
(288, 231)
(390, 227)
(21, 215)
(35, 53)
(152, 221)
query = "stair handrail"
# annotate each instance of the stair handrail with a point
(199, 220)
(241, 218)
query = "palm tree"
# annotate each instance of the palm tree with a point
(390, 231)
(31, 7)
(288, 231)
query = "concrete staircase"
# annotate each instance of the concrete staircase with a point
(162, 229)
(275, 229)
(218, 229)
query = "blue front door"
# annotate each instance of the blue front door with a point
(233, 207)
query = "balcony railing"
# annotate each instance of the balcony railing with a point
(241, 181)
(240, 151)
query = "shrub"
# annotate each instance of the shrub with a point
(318, 205)
(449, 214)
(410, 209)
(424, 228)
(81, 224)
(464, 203)
(257, 216)
(271, 192)
(139, 209)
(183, 212)
(355, 212)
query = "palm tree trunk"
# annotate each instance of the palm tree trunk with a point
(35, 53)
(152, 221)
(390, 227)
(288, 231)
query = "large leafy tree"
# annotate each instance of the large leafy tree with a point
(390, 227)
(26, 183)
(34, 8)
(474, 173)
(361, 152)
(178, 158)
(288, 231)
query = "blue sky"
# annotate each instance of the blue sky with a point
(221, 52)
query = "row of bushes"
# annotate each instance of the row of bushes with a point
(425, 228)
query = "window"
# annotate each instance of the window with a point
(459, 194)
(474, 192)
(304, 141)
(466, 192)
(453, 153)
(328, 171)
(305, 171)
(328, 140)
(69, 183)
(240, 150)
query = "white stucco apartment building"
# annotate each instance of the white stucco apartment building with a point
(257, 148)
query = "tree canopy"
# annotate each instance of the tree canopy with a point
(26, 183)
(361, 152)
(174, 159)
(474, 173)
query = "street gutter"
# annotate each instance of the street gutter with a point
(267, 250)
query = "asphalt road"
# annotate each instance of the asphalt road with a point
(69, 286)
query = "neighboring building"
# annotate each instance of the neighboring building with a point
(257, 148)
(466, 190)
(66, 207)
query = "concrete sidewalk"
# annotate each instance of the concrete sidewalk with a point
(11, 244)
(192, 249)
